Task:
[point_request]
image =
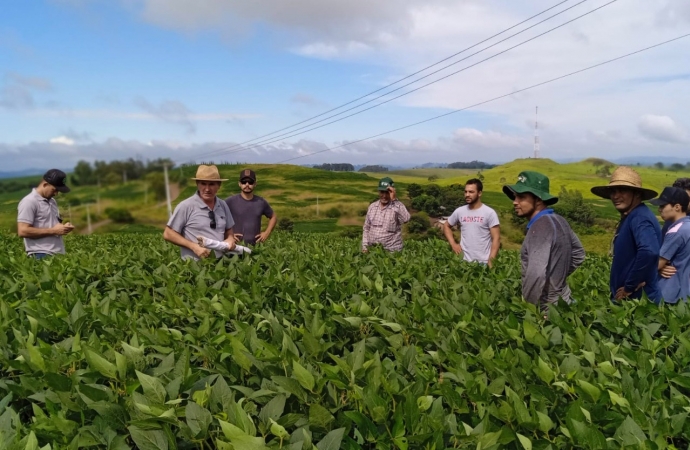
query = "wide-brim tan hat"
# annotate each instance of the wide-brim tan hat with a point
(625, 177)
(208, 173)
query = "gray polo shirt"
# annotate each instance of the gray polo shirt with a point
(191, 219)
(40, 212)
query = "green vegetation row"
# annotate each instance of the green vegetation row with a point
(310, 344)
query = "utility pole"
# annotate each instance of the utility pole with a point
(536, 133)
(88, 218)
(167, 190)
(69, 212)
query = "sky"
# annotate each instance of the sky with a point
(112, 79)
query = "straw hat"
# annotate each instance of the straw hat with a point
(209, 173)
(625, 177)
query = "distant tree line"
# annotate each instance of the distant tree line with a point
(675, 167)
(338, 167)
(9, 186)
(374, 168)
(117, 171)
(470, 165)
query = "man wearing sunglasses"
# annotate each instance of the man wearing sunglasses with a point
(38, 217)
(202, 214)
(247, 209)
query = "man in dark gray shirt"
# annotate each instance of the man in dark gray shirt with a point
(551, 251)
(247, 210)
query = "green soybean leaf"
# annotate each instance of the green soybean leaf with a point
(99, 363)
(198, 419)
(303, 376)
(241, 440)
(630, 433)
(148, 439)
(152, 386)
(332, 440)
(525, 442)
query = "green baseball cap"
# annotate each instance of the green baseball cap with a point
(385, 183)
(533, 182)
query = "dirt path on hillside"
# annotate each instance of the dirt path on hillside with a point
(95, 226)
(174, 193)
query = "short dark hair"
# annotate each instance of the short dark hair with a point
(683, 183)
(477, 182)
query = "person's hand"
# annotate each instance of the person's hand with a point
(200, 251)
(667, 271)
(456, 248)
(231, 244)
(621, 293)
(365, 250)
(61, 229)
(261, 237)
(391, 191)
(238, 237)
(490, 263)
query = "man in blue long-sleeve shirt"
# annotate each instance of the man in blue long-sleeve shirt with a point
(637, 241)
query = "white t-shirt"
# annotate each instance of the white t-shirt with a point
(475, 234)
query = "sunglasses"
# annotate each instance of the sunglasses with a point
(249, 182)
(212, 216)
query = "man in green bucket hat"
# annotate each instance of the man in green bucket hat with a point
(551, 251)
(385, 218)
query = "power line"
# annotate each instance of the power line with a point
(395, 82)
(279, 138)
(493, 99)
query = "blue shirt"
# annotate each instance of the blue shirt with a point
(636, 248)
(676, 249)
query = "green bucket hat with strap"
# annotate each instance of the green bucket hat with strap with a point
(533, 182)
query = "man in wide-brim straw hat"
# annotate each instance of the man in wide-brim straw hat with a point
(202, 214)
(637, 241)
(551, 251)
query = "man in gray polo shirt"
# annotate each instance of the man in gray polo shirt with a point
(202, 214)
(38, 217)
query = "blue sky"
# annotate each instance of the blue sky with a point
(96, 79)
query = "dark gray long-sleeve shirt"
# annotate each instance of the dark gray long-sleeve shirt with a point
(550, 253)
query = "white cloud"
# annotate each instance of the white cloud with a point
(64, 140)
(662, 128)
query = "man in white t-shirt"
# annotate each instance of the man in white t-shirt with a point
(480, 235)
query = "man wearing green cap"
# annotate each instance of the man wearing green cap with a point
(385, 218)
(551, 251)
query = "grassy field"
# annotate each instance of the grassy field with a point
(305, 194)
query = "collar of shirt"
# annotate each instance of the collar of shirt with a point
(201, 204)
(390, 204)
(38, 196)
(539, 214)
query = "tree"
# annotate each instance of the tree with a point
(433, 190)
(572, 206)
(659, 165)
(83, 174)
(414, 190)
(676, 167)
(604, 171)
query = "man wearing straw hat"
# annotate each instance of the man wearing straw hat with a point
(202, 214)
(551, 251)
(637, 240)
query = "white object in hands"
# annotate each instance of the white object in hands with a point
(222, 246)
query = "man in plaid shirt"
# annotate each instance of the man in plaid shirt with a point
(385, 218)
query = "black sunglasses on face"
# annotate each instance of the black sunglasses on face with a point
(249, 182)
(212, 216)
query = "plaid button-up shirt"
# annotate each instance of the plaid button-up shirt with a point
(383, 225)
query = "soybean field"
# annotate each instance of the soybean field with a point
(310, 344)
